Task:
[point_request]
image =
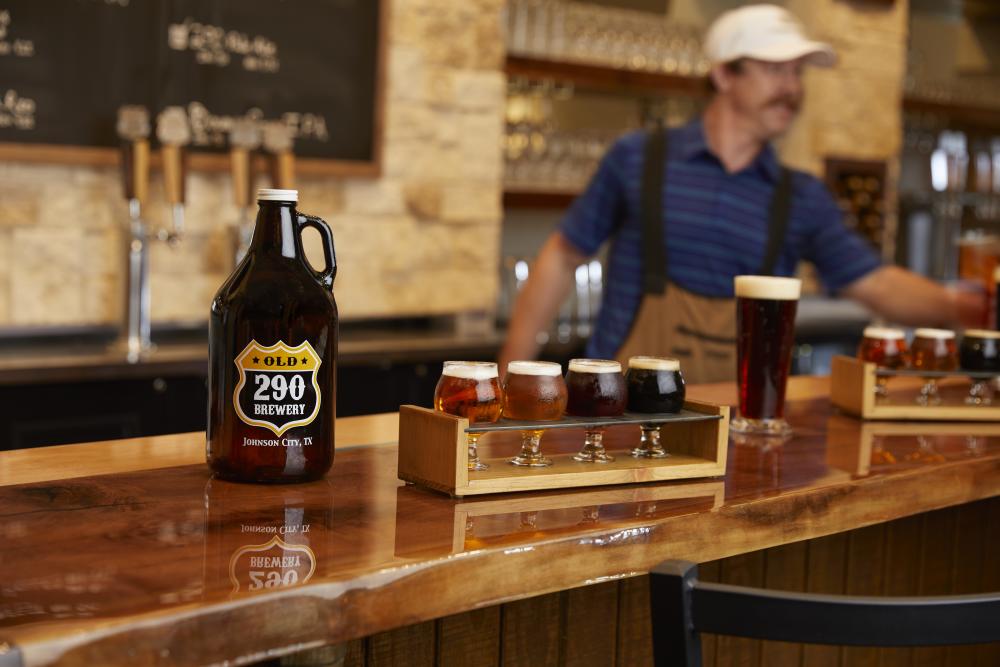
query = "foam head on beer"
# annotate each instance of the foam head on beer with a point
(546, 368)
(982, 333)
(594, 366)
(470, 370)
(654, 363)
(768, 287)
(934, 334)
(884, 333)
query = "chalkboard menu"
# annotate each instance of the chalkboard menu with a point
(66, 66)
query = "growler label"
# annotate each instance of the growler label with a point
(275, 564)
(277, 389)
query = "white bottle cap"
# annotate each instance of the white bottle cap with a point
(271, 194)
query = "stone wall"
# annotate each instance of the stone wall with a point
(421, 239)
(854, 110)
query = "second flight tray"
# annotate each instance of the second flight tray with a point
(433, 450)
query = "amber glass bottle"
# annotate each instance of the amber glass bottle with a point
(273, 354)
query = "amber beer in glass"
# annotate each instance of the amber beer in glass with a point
(470, 389)
(596, 388)
(933, 350)
(886, 348)
(765, 326)
(655, 385)
(273, 354)
(533, 391)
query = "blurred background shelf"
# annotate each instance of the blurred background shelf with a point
(603, 78)
(514, 197)
(958, 114)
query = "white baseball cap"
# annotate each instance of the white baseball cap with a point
(763, 32)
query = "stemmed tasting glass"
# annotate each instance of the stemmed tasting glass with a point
(933, 350)
(886, 348)
(655, 385)
(470, 389)
(980, 352)
(596, 388)
(533, 391)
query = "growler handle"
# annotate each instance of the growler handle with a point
(326, 276)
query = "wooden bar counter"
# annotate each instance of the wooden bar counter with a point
(127, 552)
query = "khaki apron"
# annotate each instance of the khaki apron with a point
(700, 331)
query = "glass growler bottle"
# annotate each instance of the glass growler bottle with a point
(273, 354)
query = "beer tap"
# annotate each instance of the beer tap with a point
(278, 142)
(174, 133)
(244, 139)
(133, 129)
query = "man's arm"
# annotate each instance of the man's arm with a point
(906, 298)
(548, 285)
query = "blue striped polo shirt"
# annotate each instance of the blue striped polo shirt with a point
(718, 227)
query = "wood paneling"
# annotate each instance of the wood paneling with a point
(590, 626)
(784, 570)
(530, 631)
(742, 570)
(471, 639)
(827, 570)
(409, 646)
(635, 636)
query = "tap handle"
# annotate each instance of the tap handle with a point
(137, 187)
(133, 129)
(174, 133)
(244, 139)
(239, 167)
(284, 170)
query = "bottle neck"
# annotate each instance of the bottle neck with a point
(275, 229)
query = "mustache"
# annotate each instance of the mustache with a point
(793, 102)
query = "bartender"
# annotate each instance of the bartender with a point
(688, 209)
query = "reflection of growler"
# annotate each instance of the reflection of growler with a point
(258, 540)
(273, 354)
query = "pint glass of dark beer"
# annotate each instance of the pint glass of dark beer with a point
(980, 352)
(655, 385)
(933, 350)
(765, 328)
(596, 388)
(533, 391)
(470, 389)
(886, 348)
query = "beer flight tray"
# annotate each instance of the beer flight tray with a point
(852, 389)
(433, 450)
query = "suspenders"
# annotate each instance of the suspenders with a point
(654, 261)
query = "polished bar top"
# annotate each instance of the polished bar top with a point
(127, 552)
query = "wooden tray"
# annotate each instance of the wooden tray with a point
(852, 389)
(433, 451)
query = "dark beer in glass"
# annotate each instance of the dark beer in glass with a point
(980, 353)
(596, 388)
(655, 385)
(533, 391)
(886, 348)
(765, 326)
(470, 389)
(933, 350)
